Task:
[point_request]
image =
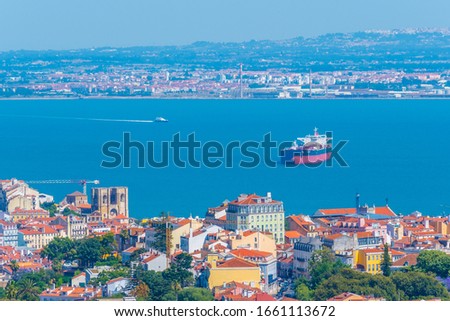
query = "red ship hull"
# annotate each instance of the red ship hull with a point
(311, 159)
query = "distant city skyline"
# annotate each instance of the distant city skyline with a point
(64, 24)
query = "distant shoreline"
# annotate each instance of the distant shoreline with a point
(214, 98)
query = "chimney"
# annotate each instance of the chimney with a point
(269, 197)
(427, 223)
(358, 205)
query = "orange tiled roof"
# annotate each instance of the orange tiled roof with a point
(383, 210)
(237, 263)
(334, 236)
(250, 253)
(250, 199)
(292, 234)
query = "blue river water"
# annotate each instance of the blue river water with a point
(397, 149)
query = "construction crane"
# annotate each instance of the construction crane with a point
(82, 182)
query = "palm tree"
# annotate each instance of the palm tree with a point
(28, 290)
(14, 266)
(12, 291)
(176, 287)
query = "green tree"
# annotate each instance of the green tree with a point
(57, 265)
(88, 251)
(348, 280)
(2, 294)
(28, 290)
(433, 261)
(195, 294)
(108, 244)
(161, 228)
(386, 261)
(179, 272)
(160, 287)
(124, 237)
(416, 285)
(59, 248)
(50, 207)
(303, 292)
(322, 265)
(67, 211)
(14, 266)
(11, 291)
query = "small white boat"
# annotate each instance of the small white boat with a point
(161, 120)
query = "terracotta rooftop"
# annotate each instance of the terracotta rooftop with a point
(252, 199)
(383, 210)
(250, 253)
(237, 263)
(407, 260)
(292, 234)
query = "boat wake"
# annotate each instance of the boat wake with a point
(117, 120)
(88, 119)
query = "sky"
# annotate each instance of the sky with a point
(71, 24)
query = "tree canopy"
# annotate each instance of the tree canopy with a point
(348, 280)
(416, 285)
(436, 262)
(386, 261)
(322, 265)
(195, 294)
(329, 278)
(87, 251)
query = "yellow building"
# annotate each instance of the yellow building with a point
(21, 214)
(179, 227)
(369, 260)
(440, 225)
(37, 237)
(253, 240)
(236, 269)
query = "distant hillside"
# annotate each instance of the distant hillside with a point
(411, 49)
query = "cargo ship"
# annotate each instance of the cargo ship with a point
(311, 149)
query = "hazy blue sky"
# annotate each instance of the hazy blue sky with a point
(56, 24)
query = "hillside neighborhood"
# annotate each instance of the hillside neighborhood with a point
(88, 247)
